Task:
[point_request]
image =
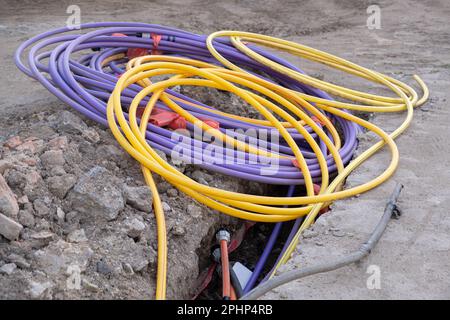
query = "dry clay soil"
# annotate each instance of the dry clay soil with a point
(414, 254)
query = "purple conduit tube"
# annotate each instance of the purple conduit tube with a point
(267, 250)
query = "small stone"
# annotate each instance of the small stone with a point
(177, 162)
(59, 255)
(172, 192)
(23, 200)
(30, 161)
(43, 237)
(178, 231)
(52, 158)
(199, 175)
(58, 143)
(57, 171)
(15, 178)
(140, 198)
(18, 260)
(61, 184)
(33, 178)
(161, 154)
(165, 206)
(31, 146)
(127, 268)
(70, 123)
(8, 268)
(5, 164)
(97, 195)
(39, 290)
(77, 236)
(13, 142)
(163, 186)
(9, 228)
(104, 268)
(110, 152)
(309, 233)
(8, 202)
(60, 214)
(72, 217)
(194, 210)
(26, 218)
(41, 208)
(134, 227)
(42, 225)
(91, 135)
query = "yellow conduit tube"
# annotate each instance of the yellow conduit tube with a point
(407, 99)
(250, 207)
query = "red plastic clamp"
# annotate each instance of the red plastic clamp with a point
(210, 122)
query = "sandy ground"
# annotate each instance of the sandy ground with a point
(414, 254)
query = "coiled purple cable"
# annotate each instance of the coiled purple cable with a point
(85, 84)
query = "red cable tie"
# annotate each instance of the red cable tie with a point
(210, 122)
(118, 34)
(140, 111)
(163, 119)
(178, 123)
(316, 188)
(136, 52)
(316, 192)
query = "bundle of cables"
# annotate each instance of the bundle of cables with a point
(112, 74)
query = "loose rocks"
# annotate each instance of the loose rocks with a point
(94, 195)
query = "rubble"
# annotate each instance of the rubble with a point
(96, 196)
(77, 236)
(59, 185)
(59, 255)
(68, 122)
(9, 228)
(8, 202)
(82, 203)
(40, 290)
(21, 262)
(41, 206)
(139, 197)
(13, 142)
(26, 218)
(8, 268)
(52, 158)
(134, 227)
(58, 143)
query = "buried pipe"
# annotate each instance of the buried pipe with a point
(390, 211)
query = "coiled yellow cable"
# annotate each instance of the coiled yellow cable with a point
(131, 136)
